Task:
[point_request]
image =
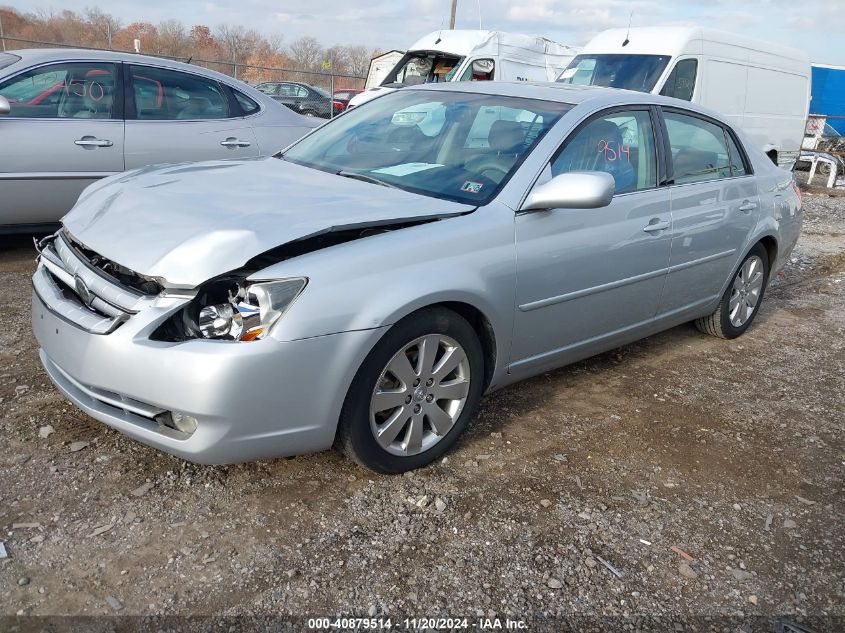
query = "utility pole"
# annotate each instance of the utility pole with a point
(452, 18)
(2, 39)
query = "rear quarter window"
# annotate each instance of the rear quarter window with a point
(248, 106)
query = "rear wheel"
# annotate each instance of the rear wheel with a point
(742, 299)
(414, 394)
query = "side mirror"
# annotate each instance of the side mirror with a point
(5, 108)
(482, 66)
(572, 190)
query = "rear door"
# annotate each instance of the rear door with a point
(64, 131)
(714, 206)
(175, 116)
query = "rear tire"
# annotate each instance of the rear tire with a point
(742, 299)
(414, 394)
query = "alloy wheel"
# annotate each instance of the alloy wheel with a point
(420, 395)
(746, 291)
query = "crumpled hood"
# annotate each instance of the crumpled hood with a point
(187, 223)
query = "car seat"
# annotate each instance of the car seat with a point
(506, 140)
(196, 108)
(597, 148)
(97, 97)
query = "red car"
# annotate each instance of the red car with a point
(344, 95)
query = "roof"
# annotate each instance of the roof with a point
(462, 42)
(30, 56)
(458, 41)
(595, 96)
(394, 51)
(668, 39)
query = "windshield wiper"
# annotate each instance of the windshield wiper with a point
(366, 178)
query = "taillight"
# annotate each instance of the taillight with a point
(338, 105)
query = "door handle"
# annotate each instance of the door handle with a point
(90, 141)
(747, 207)
(233, 142)
(656, 225)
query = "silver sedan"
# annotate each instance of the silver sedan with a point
(367, 286)
(70, 117)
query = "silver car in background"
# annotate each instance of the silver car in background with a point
(367, 286)
(70, 117)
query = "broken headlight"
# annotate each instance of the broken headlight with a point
(233, 310)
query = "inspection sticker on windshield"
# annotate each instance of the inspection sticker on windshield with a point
(471, 187)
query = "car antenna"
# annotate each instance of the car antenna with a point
(627, 41)
(189, 59)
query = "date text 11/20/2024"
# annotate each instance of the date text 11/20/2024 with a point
(415, 624)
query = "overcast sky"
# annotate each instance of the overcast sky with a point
(397, 23)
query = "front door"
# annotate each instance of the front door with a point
(586, 277)
(175, 116)
(64, 131)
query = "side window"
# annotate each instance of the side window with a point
(620, 143)
(167, 95)
(699, 151)
(737, 165)
(63, 91)
(247, 105)
(479, 70)
(681, 81)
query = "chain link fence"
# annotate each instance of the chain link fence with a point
(320, 93)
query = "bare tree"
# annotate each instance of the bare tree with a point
(104, 24)
(238, 43)
(307, 54)
(173, 39)
(359, 58)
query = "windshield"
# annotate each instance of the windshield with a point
(421, 67)
(450, 145)
(7, 59)
(631, 72)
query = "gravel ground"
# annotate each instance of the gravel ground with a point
(709, 473)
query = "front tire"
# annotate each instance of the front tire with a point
(742, 299)
(414, 394)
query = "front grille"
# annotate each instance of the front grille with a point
(112, 270)
(74, 290)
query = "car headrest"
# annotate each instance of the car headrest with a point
(506, 136)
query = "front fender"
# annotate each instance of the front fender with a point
(375, 281)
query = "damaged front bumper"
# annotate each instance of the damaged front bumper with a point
(252, 400)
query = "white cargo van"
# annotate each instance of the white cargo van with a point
(761, 87)
(461, 55)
